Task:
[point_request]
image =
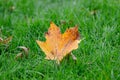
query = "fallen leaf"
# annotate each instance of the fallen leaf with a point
(58, 45)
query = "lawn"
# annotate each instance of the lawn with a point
(98, 55)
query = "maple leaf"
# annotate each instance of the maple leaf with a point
(58, 45)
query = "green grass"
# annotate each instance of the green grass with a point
(98, 55)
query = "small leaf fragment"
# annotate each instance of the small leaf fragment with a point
(19, 55)
(22, 54)
(25, 50)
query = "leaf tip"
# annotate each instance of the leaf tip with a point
(38, 42)
(51, 22)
